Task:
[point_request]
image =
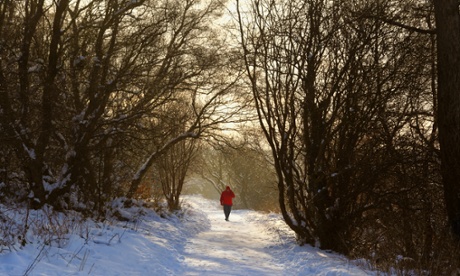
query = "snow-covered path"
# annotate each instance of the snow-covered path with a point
(252, 243)
(235, 247)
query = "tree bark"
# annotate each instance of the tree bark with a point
(448, 45)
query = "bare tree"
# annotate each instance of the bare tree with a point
(81, 102)
(172, 166)
(172, 169)
(331, 90)
(29, 108)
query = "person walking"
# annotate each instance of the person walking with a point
(226, 200)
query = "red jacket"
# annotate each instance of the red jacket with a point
(226, 198)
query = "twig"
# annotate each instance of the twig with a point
(34, 263)
(83, 260)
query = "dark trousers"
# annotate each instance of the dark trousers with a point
(227, 210)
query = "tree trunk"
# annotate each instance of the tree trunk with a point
(448, 44)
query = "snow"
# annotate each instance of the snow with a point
(31, 152)
(35, 68)
(195, 241)
(78, 60)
